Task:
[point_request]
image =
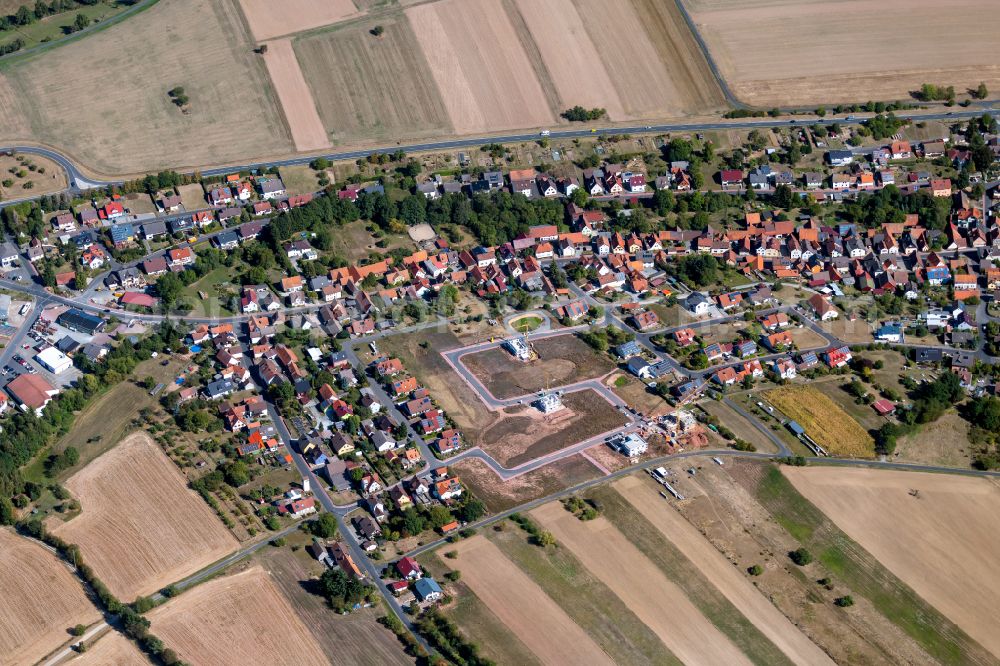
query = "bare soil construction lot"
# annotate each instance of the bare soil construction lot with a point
(562, 360)
(141, 528)
(522, 606)
(372, 88)
(932, 530)
(734, 585)
(104, 99)
(778, 52)
(238, 619)
(307, 129)
(482, 71)
(40, 599)
(658, 602)
(269, 19)
(525, 434)
(502, 495)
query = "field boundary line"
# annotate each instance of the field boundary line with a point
(707, 53)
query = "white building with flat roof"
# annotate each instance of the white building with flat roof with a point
(629, 444)
(54, 360)
(520, 348)
(548, 402)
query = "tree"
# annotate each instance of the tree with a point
(679, 150)
(472, 510)
(378, 30)
(845, 601)
(981, 91)
(237, 473)
(755, 570)
(783, 196)
(545, 539)
(81, 22)
(79, 630)
(325, 526)
(7, 514)
(801, 556)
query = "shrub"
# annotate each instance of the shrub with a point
(755, 570)
(801, 556)
(844, 602)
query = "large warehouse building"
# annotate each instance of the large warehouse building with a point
(54, 360)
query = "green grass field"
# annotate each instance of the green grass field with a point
(216, 284)
(864, 575)
(52, 28)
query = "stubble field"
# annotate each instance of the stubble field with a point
(269, 19)
(141, 528)
(111, 648)
(480, 66)
(293, 93)
(238, 619)
(39, 600)
(372, 88)
(933, 531)
(782, 52)
(103, 100)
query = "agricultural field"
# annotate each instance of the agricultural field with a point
(776, 52)
(356, 638)
(462, 39)
(110, 648)
(41, 599)
(930, 530)
(293, 93)
(829, 425)
(562, 360)
(392, 93)
(103, 99)
(269, 19)
(29, 176)
(753, 515)
(141, 528)
(237, 619)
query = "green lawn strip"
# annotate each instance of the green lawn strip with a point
(685, 574)
(861, 572)
(591, 604)
(478, 623)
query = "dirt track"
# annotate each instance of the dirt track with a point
(239, 619)
(39, 600)
(141, 528)
(111, 648)
(733, 585)
(657, 601)
(520, 603)
(940, 541)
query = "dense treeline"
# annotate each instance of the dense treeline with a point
(445, 637)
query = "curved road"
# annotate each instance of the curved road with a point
(79, 182)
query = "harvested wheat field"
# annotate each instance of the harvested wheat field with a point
(368, 87)
(296, 99)
(269, 19)
(481, 68)
(778, 52)
(522, 606)
(111, 648)
(141, 528)
(655, 600)
(238, 619)
(729, 580)
(829, 425)
(39, 600)
(104, 99)
(934, 531)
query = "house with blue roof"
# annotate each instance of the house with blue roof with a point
(748, 348)
(627, 349)
(122, 234)
(890, 332)
(427, 589)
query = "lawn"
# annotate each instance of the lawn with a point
(526, 323)
(217, 286)
(823, 420)
(862, 573)
(57, 26)
(740, 426)
(685, 574)
(299, 179)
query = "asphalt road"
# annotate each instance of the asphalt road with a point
(79, 182)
